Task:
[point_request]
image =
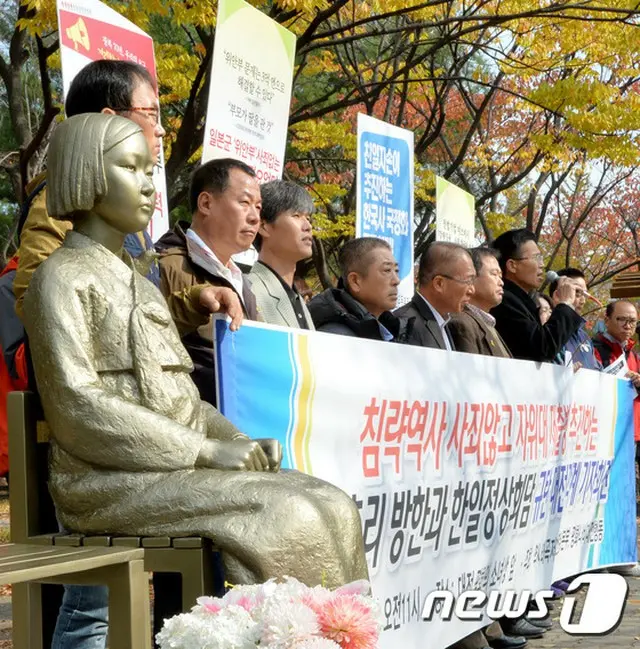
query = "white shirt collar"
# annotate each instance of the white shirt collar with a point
(482, 314)
(436, 314)
(201, 255)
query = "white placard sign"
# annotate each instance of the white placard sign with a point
(250, 93)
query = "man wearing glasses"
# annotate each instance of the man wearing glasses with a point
(578, 352)
(621, 318)
(446, 278)
(517, 319)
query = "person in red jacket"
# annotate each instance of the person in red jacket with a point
(13, 366)
(621, 318)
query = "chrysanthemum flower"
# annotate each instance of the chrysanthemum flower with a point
(345, 619)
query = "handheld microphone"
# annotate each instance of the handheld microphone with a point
(552, 276)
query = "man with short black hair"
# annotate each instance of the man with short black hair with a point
(517, 318)
(445, 285)
(578, 351)
(473, 330)
(284, 238)
(196, 258)
(367, 292)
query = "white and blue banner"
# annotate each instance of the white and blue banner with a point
(470, 472)
(384, 199)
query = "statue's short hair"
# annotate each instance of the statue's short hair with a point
(75, 165)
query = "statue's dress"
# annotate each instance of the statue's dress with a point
(127, 426)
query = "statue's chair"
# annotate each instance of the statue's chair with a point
(33, 521)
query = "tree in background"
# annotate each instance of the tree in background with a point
(525, 104)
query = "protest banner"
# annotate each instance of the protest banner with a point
(455, 214)
(384, 200)
(250, 92)
(91, 31)
(470, 472)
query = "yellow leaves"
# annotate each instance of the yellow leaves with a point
(201, 13)
(498, 222)
(54, 61)
(424, 184)
(324, 134)
(328, 192)
(326, 228)
(177, 69)
(45, 19)
(304, 6)
(320, 62)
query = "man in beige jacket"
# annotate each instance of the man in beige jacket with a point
(284, 239)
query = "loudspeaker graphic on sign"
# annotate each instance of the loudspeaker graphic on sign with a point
(78, 34)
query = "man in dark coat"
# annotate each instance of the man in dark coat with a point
(367, 291)
(474, 331)
(516, 317)
(445, 285)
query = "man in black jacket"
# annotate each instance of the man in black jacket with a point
(516, 317)
(446, 277)
(367, 291)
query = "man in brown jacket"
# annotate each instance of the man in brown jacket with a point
(225, 203)
(473, 330)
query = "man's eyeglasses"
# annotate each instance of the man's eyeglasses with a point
(469, 281)
(152, 114)
(629, 321)
(539, 258)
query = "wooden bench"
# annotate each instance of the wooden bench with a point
(121, 569)
(193, 558)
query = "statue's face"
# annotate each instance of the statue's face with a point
(130, 198)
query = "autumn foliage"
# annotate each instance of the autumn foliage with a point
(530, 105)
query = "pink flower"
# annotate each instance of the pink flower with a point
(359, 587)
(210, 604)
(316, 598)
(345, 619)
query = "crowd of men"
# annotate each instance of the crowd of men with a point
(480, 301)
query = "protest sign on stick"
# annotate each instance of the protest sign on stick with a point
(250, 92)
(91, 31)
(455, 214)
(384, 200)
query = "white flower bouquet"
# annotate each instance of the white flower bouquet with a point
(286, 615)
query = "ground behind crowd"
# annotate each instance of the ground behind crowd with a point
(627, 634)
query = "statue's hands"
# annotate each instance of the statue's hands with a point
(273, 451)
(222, 299)
(241, 454)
